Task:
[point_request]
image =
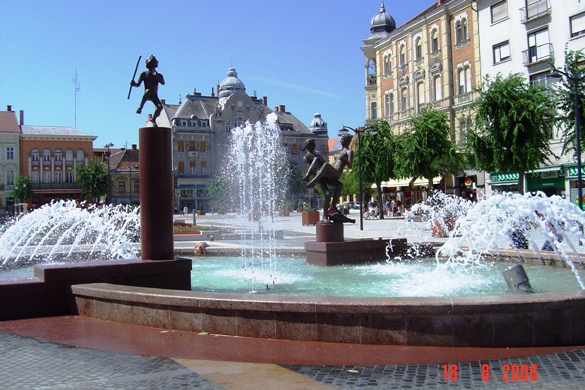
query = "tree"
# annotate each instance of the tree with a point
(513, 126)
(426, 149)
(376, 157)
(219, 190)
(565, 99)
(22, 188)
(94, 179)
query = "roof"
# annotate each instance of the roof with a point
(122, 159)
(54, 131)
(8, 122)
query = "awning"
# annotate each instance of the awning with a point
(425, 182)
(572, 172)
(395, 183)
(547, 169)
(503, 178)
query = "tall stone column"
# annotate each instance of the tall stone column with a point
(156, 193)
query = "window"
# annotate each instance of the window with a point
(501, 52)
(461, 31)
(404, 99)
(538, 46)
(69, 177)
(389, 104)
(192, 167)
(402, 55)
(69, 157)
(122, 187)
(577, 25)
(10, 152)
(10, 177)
(464, 80)
(387, 65)
(46, 176)
(181, 168)
(34, 176)
(192, 145)
(203, 146)
(418, 50)
(437, 88)
(80, 157)
(58, 156)
(373, 110)
(34, 155)
(58, 177)
(46, 155)
(435, 41)
(204, 167)
(499, 11)
(421, 93)
(181, 146)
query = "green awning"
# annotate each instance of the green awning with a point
(572, 172)
(504, 177)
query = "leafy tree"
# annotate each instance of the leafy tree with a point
(22, 188)
(426, 149)
(219, 189)
(513, 126)
(94, 179)
(294, 185)
(565, 99)
(376, 157)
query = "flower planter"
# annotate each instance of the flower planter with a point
(310, 218)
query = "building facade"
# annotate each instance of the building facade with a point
(201, 127)
(522, 36)
(432, 60)
(124, 174)
(9, 156)
(49, 155)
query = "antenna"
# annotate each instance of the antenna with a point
(76, 81)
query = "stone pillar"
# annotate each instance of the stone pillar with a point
(156, 193)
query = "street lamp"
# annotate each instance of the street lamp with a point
(108, 146)
(575, 78)
(359, 131)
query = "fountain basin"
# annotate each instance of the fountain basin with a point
(530, 320)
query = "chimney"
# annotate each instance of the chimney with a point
(133, 146)
(265, 100)
(9, 108)
(282, 108)
(212, 92)
(22, 117)
(276, 109)
(163, 101)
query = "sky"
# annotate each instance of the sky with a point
(303, 54)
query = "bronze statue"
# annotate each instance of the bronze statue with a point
(151, 79)
(326, 175)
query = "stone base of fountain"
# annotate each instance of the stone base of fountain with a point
(330, 249)
(48, 293)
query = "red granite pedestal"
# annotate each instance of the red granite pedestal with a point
(330, 248)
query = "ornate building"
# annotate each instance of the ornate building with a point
(431, 60)
(202, 125)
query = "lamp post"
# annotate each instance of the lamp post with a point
(359, 131)
(575, 79)
(108, 146)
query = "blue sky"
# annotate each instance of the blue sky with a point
(303, 54)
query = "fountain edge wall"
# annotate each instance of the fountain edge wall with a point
(527, 320)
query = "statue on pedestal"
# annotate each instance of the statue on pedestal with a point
(151, 79)
(326, 176)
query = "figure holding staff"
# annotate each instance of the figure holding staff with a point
(151, 79)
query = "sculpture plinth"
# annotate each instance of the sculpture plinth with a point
(156, 193)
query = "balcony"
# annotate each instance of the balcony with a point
(535, 10)
(536, 54)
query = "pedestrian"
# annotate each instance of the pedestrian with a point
(185, 210)
(394, 207)
(388, 207)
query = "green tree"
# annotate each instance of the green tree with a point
(565, 99)
(22, 188)
(94, 179)
(513, 126)
(376, 157)
(294, 185)
(426, 149)
(219, 190)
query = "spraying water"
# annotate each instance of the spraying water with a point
(255, 169)
(67, 230)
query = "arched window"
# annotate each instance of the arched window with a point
(46, 156)
(404, 99)
(80, 157)
(461, 31)
(34, 155)
(437, 88)
(402, 55)
(464, 80)
(418, 49)
(435, 41)
(387, 65)
(389, 104)
(421, 93)
(58, 156)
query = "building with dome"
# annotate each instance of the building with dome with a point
(201, 127)
(431, 60)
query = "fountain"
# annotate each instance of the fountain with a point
(539, 319)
